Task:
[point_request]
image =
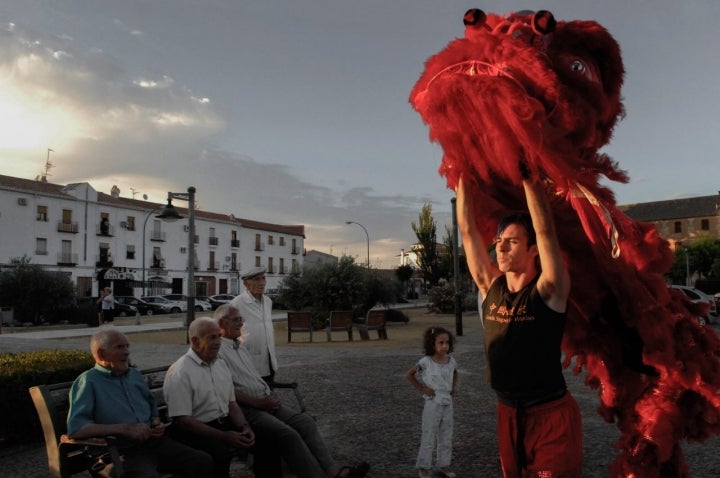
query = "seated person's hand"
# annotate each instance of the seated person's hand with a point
(241, 439)
(269, 403)
(158, 429)
(136, 432)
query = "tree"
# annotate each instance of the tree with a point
(446, 265)
(703, 259)
(337, 286)
(404, 273)
(426, 231)
(34, 293)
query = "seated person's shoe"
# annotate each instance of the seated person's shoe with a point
(445, 472)
(424, 473)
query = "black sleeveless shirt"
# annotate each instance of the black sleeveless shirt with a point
(522, 344)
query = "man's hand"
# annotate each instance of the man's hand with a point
(240, 439)
(158, 429)
(269, 403)
(138, 432)
(524, 170)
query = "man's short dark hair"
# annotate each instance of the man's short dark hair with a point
(523, 219)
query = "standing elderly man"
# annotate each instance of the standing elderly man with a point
(256, 308)
(113, 399)
(199, 391)
(295, 434)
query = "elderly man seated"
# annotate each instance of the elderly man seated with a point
(113, 399)
(198, 389)
(297, 438)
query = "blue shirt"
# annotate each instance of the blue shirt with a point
(97, 396)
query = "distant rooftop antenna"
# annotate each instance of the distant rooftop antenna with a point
(48, 165)
(134, 192)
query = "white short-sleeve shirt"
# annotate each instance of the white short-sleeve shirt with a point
(198, 389)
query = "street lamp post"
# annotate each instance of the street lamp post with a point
(143, 247)
(687, 267)
(144, 240)
(456, 270)
(170, 213)
(368, 240)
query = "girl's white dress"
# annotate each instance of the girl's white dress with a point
(437, 417)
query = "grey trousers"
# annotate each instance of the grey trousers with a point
(437, 432)
(298, 439)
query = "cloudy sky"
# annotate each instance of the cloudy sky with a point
(296, 112)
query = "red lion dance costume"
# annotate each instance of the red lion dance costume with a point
(526, 86)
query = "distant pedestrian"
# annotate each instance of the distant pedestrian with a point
(107, 303)
(435, 375)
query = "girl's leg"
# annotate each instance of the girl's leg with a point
(430, 420)
(445, 437)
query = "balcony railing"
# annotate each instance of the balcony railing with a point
(234, 242)
(67, 259)
(158, 236)
(158, 264)
(259, 246)
(213, 265)
(282, 269)
(71, 227)
(41, 252)
(106, 230)
(295, 250)
(213, 241)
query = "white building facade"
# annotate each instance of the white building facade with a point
(100, 240)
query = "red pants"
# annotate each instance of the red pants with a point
(550, 440)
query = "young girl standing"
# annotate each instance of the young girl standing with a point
(437, 372)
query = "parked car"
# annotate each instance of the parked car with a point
(696, 295)
(200, 305)
(145, 308)
(122, 309)
(169, 306)
(219, 299)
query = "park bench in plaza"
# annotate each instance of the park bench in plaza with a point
(340, 321)
(299, 322)
(374, 320)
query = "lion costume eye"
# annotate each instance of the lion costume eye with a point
(582, 68)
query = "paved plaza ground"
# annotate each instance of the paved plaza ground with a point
(363, 403)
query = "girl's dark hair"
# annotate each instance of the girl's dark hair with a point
(431, 334)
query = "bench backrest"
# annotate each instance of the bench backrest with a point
(375, 318)
(299, 321)
(52, 403)
(341, 320)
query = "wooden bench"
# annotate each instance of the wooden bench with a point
(374, 320)
(65, 455)
(299, 322)
(340, 321)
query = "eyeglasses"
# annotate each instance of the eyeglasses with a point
(235, 319)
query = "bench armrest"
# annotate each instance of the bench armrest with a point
(85, 441)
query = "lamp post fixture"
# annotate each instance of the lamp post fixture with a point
(170, 213)
(368, 240)
(687, 267)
